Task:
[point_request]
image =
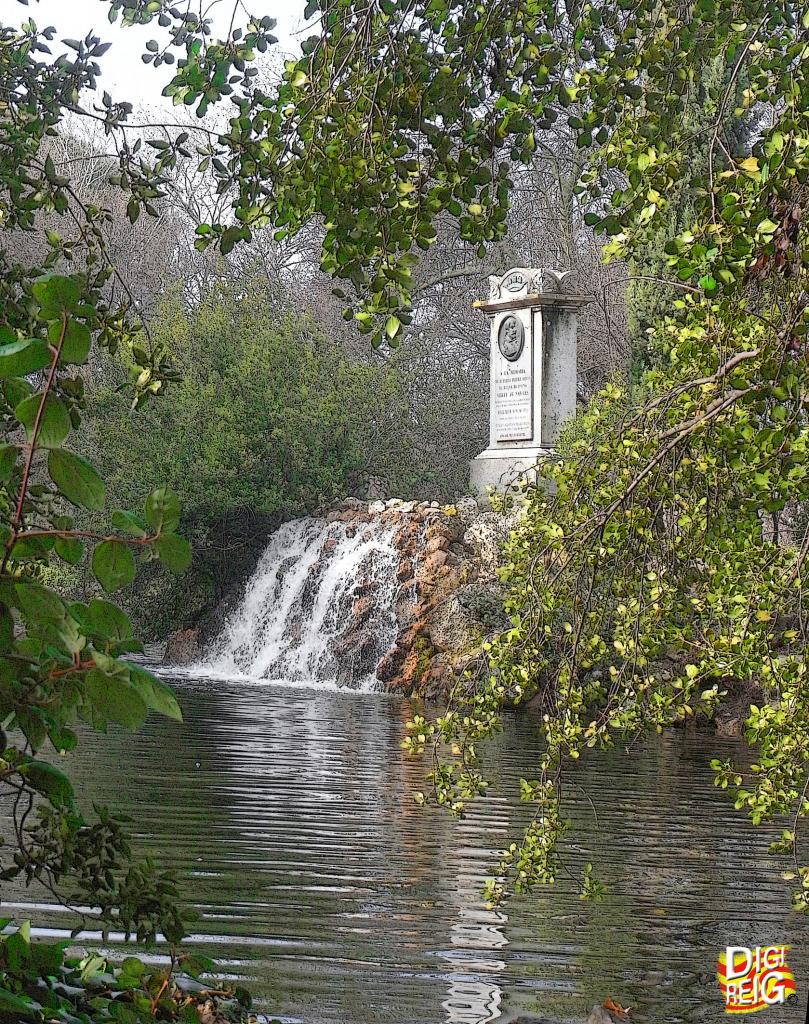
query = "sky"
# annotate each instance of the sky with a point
(124, 74)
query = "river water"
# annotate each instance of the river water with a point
(288, 814)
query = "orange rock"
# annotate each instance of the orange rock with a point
(432, 563)
(436, 544)
(362, 609)
(389, 668)
(405, 570)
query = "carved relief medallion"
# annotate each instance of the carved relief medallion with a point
(511, 338)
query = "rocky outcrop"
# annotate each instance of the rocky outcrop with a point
(182, 647)
(447, 596)
(734, 711)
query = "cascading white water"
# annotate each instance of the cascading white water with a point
(319, 607)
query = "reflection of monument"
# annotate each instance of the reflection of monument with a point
(533, 372)
(475, 995)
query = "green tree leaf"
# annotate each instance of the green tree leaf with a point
(114, 700)
(54, 424)
(108, 620)
(76, 344)
(130, 523)
(392, 327)
(174, 552)
(11, 1004)
(57, 294)
(31, 549)
(63, 739)
(23, 357)
(162, 510)
(157, 695)
(37, 602)
(6, 628)
(76, 479)
(8, 460)
(113, 565)
(69, 549)
(132, 967)
(229, 238)
(49, 781)
(16, 389)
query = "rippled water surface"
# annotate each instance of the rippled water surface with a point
(289, 816)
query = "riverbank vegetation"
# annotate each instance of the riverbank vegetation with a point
(669, 565)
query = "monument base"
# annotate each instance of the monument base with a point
(502, 468)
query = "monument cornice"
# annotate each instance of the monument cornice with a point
(558, 300)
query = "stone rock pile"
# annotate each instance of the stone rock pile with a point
(447, 593)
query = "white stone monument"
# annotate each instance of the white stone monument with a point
(533, 372)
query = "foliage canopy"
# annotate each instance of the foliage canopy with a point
(64, 662)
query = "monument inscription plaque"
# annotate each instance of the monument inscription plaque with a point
(513, 383)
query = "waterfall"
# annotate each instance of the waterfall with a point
(319, 608)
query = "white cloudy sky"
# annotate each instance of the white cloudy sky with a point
(124, 75)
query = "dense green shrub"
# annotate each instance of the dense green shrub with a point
(269, 414)
(271, 420)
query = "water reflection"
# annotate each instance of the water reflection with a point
(289, 815)
(472, 1002)
(476, 935)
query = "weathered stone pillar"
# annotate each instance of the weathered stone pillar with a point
(533, 372)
